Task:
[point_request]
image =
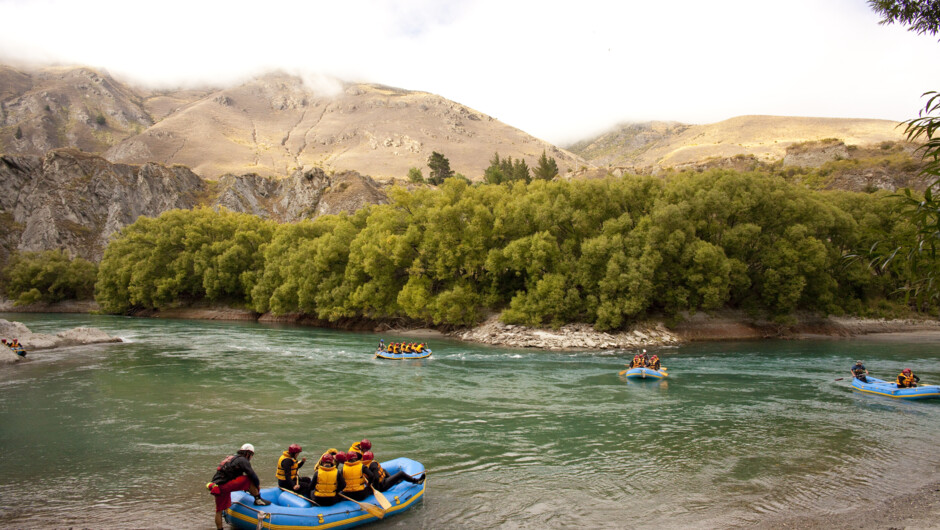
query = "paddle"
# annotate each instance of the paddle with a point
(373, 510)
(299, 495)
(383, 502)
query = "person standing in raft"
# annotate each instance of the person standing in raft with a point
(326, 482)
(234, 474)
(379, 478)
(859, 372)
(354, 477)
(381, 344)
(907, 379)
(287, 466)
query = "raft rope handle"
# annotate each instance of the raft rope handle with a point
(268, 515)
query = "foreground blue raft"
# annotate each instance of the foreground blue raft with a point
(289, 511)
(382, 354)
(890, 389)
(645, 373)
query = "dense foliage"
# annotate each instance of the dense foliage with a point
(917, 255)
(48, 276)
(607, 252)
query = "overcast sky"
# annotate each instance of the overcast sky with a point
(557, 70)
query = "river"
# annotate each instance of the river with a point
(126, 435)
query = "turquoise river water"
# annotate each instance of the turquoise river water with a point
(126, 435)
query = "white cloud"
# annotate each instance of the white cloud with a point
(558, 70)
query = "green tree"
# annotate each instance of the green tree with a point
(494, 173)
(48, 276)
(919, 254)
(414, 175)
(546, 169)
(921, 16)
(440, 168)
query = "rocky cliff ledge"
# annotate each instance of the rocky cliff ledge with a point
(41, 341)
(75, 200)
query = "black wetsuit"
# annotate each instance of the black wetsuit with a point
(372, 474)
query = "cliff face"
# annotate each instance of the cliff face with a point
(77, 201)
(73, 200)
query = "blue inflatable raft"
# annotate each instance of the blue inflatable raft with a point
(646, 373)
(890, 389)
(382, 354)
(289, 511)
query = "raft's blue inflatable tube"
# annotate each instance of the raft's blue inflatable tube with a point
(290, 512)
(890, 389)
(645, 373)
(411, 355)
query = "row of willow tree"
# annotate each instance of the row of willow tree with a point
(607, 252)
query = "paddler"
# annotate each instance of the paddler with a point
(907, 379)
(287, 466)
(327, 481)
(355, 480)
(379, 478)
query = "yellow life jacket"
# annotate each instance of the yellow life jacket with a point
(419, 348)
(637, 361)
(905, 381)
(329, 451)
(280, 470)
(355, 480)
(327, 482)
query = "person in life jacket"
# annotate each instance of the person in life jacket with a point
(907, 379)
(654, 362)
(287, 466)
(360, 446)
(235, 474)
(637, 361)
(327, 481)
(859, 372)
(382, 345)
(356, 486)
(393, 347)
(379, 478)
(419, 347)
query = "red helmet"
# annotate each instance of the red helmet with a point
(906, 371)
(340, 457)
(368, 455)
(353, 456)
(294, 449)
(327, 459)
(365, 445)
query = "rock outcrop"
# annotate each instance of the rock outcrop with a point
(73, 200)
(41, 341)
(571, 336)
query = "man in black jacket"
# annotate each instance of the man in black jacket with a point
(234, 474)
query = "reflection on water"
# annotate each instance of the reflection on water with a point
(126, 435)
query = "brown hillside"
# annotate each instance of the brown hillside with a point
(274, 124)
(657, 145)
(66, 107)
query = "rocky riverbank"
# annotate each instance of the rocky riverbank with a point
(42, 341)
